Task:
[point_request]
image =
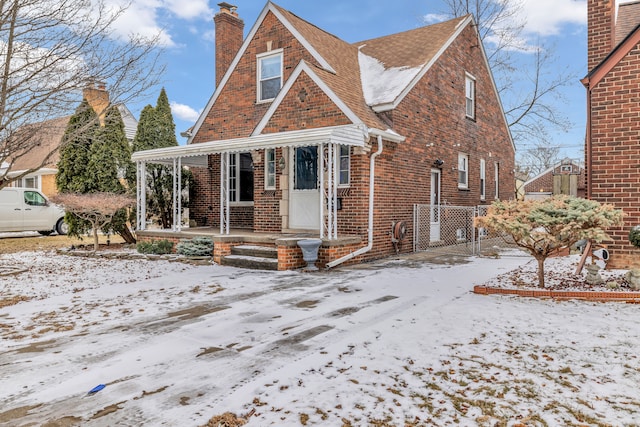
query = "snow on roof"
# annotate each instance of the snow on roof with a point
(382, 85)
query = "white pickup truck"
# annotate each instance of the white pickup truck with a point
(26, 209)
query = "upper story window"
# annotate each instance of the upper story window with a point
(483, 178)
(344, 166)
(470, 95)
(269, 75)
(463, 170)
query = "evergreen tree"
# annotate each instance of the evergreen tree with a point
(156, 129)
(110, 159)
(166, 128)
(543, 227)
(93, 160)
(110, 154)
(73, 175)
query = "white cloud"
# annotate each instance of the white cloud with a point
(142, 17)
(184, 112)
(139, 18)
(189, 9)
(547, 17)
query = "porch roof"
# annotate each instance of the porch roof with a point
(196, 154)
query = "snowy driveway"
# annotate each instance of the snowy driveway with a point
(393, 343)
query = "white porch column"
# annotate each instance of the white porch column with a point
(323, 195)
(329, 191)
(177, 194)
(224, 193)
(334, 180)
(141, 195)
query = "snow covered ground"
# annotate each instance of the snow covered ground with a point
(394, 343)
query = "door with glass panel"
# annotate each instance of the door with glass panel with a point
(304, 193)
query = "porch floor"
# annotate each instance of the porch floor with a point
(245, 235)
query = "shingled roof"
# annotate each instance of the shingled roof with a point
(367, 77)
(627, 21)
(375, 71)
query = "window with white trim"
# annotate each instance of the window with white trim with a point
(483, 177)
(270, 169)
(470, 95)
(344, 166)
(463, 170)
(269, 75)
(240, 177)
(27, 182)
(497, 179)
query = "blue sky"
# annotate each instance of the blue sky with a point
(188, 38)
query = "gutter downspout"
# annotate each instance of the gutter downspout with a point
(372, 178)
(588, 154)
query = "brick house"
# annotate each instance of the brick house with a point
(565, 177)
(42, 159)
(307, 134)
(612, 146)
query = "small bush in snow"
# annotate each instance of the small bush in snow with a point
(157, 247)
(198, 246)
(634, 236)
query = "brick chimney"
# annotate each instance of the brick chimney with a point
(600, 30)
(98, 98)
(229, 37)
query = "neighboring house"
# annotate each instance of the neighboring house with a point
(565, 177)
(45, 155)
(307, 134)
(612, 148)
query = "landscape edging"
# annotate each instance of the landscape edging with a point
(563, 295)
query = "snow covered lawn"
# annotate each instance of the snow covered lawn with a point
(393, 343)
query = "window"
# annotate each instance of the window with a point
(269, 76)
(496, 177)
(270, 169)
(344, 166)
(482, 179)
(31, 182)
(463, 169)
(240, 177)
(470, 95)
(33, 198)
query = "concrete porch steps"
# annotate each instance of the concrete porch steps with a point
(253, 257)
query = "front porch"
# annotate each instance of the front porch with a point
(289, 255)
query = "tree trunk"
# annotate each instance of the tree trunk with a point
(126, 235)
(540, 272)
(96, 243)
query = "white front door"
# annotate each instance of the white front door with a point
(304, 196)
(435, 205)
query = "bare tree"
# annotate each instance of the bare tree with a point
(540, 157)
(49, 51)
(529, 92)
(97, 208)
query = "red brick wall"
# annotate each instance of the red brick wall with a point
(229, 38)
(615, 156)
(403, 170)
(599, 32)
(433, 113)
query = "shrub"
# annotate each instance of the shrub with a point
(156, 247)
(198, 246)
(634, 236)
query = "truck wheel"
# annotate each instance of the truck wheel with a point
(61, 227)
